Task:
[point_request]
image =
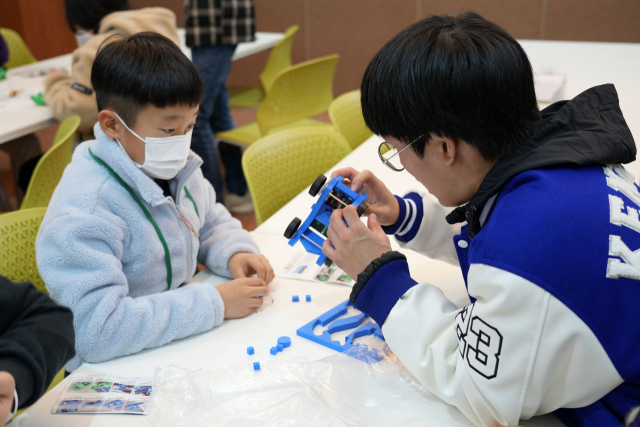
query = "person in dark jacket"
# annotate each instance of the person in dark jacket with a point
(550, 252)
(36, 340)
(4, 51)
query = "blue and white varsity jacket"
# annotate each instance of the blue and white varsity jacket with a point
(553, 273)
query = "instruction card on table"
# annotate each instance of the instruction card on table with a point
(105, 394)
(303, 267)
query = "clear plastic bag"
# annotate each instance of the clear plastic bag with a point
(366, 386)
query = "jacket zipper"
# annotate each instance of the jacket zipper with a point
(183, 222)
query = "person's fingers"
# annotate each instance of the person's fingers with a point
(258, 267)
(237, 270)
(350, 214)
(336, 221)
(347, 173)
(258, 291)
(270, 273)
(329, 250)
(362, 179)
(375, 226)
(253, 281)
(255, 302)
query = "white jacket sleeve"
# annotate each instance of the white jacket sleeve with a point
(422, 227)
(515, 353)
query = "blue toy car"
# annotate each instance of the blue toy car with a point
(313, 232)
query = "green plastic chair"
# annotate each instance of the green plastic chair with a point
(51, 165)
(346, 115)
(279, 166)
(298, 92)
(18, 231)
(19, 53)
(279, 59)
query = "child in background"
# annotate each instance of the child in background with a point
(133, 215)
(93, 21)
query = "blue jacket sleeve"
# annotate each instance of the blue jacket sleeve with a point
(80, 259)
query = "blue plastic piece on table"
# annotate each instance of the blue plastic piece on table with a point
(308, 298)
(346, 323)
(280, 347)
(369, 328)
(285, 341)
(274, 350)
(256, 366)
(320, 214)
(250, 351)
(295, 298)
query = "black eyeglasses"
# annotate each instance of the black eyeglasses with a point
(387, 152)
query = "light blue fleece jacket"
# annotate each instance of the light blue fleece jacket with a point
(100, 256)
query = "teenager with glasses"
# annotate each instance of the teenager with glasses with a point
(535, 208)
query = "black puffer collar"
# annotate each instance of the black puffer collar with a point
(588, 130)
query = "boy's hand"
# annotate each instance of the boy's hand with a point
(354, 247)
(242, 296)
(7, 387)
(380, 201)
(245, 265)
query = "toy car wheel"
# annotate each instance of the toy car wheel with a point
(362, 208)
(328, 262)
(292, 228)
(317, 185)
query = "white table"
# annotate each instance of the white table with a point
(227, 343)
(21, 116)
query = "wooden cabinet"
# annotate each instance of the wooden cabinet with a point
(42, 25)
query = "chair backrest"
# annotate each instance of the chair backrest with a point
(19, 53)
(279, 59)
(18, 231)
(51, 165)
(346, 115)
(279, 166)
(298, 92)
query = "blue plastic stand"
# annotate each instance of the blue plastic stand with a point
(250, 351)
(368, 328)
(321, 211)
(256, 366)
(295, 298)
(308, 298)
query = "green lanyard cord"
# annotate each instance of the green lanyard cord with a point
(167, 257)
(186, 190)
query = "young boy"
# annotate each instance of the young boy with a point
(550, 252)
(133, 215)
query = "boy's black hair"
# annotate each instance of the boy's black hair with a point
(87, 14)
(457, 76)
(144, 69)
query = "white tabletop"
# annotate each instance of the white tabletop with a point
(20, 116)
(227, 344)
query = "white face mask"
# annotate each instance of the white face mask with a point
(163, 157)
(82, 37)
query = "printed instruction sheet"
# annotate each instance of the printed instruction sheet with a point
(105, 394)
(303, 267)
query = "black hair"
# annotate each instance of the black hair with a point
(144, 69)
(87, 14)
(457, 76)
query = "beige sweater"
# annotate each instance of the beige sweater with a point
(65, 101)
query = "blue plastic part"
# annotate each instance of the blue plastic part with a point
(369, 328)
(256, 366)
(308, 298)
(274, 350)
(295, 298)
(250, 351)
(346, 323)
(280, 347)
(321, 211)
(285, 341)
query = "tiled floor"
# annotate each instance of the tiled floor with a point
(240, 116)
